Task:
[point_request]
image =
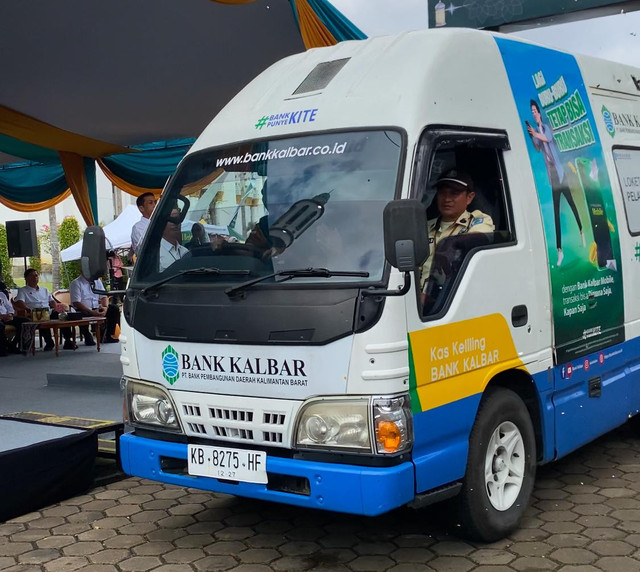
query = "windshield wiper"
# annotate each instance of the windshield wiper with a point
(192, 271)
(297, 273)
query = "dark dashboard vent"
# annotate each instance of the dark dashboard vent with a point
(225, 336)
(292, 336)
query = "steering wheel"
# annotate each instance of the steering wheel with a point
(239, 249)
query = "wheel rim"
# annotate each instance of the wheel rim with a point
(504, 466)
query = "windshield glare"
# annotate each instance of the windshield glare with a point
(313, 201)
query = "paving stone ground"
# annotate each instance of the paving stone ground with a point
(584, 517)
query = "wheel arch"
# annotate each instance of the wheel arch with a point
(521, 383)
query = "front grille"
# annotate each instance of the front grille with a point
(274, 418)
(247, 420)
(231, 414)
(272, 436)
(197, 428)
(192, 410)
(233, 433)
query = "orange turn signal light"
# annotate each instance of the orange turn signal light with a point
(389, 435)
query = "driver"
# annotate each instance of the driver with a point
(455, 191)
(260, 239)
(170, 248)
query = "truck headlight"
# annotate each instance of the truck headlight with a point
(334, 423)
(150, 405)
(381, 424)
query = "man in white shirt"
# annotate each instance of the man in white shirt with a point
(89, 303)
(170, 248)
(146, 202)
(7, 317)
(31, 297)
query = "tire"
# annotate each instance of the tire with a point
(501, 468)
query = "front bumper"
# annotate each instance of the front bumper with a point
(343, 488)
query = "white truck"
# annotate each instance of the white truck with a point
(295, 357)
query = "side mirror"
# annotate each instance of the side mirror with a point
(93, 261)
(406, 237)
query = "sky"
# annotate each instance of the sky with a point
(615, 38)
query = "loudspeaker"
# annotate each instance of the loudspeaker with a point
(22, 240)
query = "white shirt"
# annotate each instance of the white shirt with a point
(170, 253)
(137, 233)
(80, 291)
(34, 297)
(5, 306)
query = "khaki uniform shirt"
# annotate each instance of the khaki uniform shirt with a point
(467, 222)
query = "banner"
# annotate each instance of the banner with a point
(493, 13)
(574, 191)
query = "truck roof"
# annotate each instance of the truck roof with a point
(447, 76)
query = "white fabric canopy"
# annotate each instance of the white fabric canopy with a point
(117, 233)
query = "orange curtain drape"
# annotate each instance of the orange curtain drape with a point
(31, 130)
(34, 207)
(314, 33)
(73, 165)
(71, 149)
(122, 184)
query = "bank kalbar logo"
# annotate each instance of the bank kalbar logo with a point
(170, 365)
(608, 121)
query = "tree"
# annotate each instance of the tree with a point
(55, 249)
(69, 233)
(5, 262)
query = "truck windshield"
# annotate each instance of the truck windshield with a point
(270, 206)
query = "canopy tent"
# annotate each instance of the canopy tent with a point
(88, 82)
(117, 233)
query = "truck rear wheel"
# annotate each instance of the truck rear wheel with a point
(500, 469)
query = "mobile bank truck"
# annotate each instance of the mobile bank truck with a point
(291, 357)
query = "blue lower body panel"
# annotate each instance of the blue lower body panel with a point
(344, 488)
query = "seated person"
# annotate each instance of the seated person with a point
(198, 236)
(170, 248)
(455, 191)
(7, 317)
(5, 290)
(88, 303)
(260, 239)
(31, 297)
(218, 240)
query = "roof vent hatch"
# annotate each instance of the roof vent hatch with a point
(320, 76)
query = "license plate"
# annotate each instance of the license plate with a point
(229, 464)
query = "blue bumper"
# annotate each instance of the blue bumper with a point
(344, 488)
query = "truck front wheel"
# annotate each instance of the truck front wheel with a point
(500, 469)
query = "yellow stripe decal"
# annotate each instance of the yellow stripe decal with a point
(458, 360)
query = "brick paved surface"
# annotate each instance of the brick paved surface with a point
(585, 516)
